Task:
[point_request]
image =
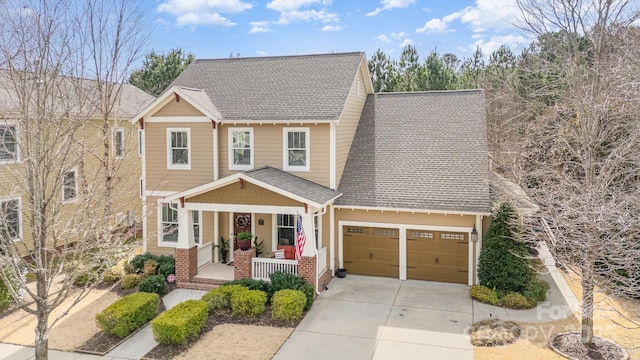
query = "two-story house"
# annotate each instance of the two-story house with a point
(392, 184)
(72, 122)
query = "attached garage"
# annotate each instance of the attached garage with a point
(437, 256)
(371, 251)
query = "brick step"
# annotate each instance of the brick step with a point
(209, 281)
(195, 286)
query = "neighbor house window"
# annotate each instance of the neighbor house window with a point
(10, 219)
(8, 143)
(286, 229)
(140, 142)
(179, 149)
(118, 143)
(296, 149)
(240, 148)
(169, 223)
(196, 226)
(70, 186)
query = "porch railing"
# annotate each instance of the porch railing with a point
(322, 260)
(204, 254)
(261, 268)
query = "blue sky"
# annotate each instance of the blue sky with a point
(217, 28)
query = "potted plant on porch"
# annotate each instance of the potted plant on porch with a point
(244, 240)
(224, 249)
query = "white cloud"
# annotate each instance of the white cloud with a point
(434, 26)
(288, 5)
(202, 12)
(331, 28)
(383, 38)
(259, 27)
(406, 42)
(261, 53)
(389, 5)
(399, 35)
(307, 15)
(491, 14)
(491, 45)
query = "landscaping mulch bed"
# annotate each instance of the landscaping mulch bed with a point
(570, 346)
(101, 343)
(223, 316)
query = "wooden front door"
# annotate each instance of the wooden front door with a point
(241, 222)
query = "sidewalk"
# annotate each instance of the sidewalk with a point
(133, 348)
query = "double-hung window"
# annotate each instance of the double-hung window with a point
(240, 148)
(10, 223)
(296, 149)
(286, 229)
(8, 142)
(179, 149)
(118, 143)
(169, 223)
(70, 186)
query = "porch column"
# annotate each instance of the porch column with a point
(186, 252)
(478, 245)
(310, 245)
(307, 264)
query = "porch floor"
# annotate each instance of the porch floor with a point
(215, 271)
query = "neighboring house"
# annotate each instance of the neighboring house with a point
(389, 184)
(125, 154)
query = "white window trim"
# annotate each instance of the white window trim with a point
(232, 166)
(161, 241)
(13, 123)
(170, 164)
(7, 199)
(75, 199)
(141, 184)
(115, 143)
(199, 223)
(140, 142)
(285, 148)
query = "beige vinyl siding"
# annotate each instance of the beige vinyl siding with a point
(159, 178)
(249, 194)
(268, 149)
(264, 233)
(177, 108)
(348, 124)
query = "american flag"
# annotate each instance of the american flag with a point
(301, 239)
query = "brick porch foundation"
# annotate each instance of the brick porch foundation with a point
(307, 269)
(242, 263)
(186, 264)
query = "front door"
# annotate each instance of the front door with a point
(241, 222)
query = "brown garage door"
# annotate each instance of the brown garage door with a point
(437, 256)
(371, 251)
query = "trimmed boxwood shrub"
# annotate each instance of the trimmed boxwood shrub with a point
(220, 297)
(281, 280)
(516, 301)
(153, 284)
(138, 261)
(250, 284)
(484, 294)
(248, 302)
(288, 304)
(503, 263)
(536, 290)
(129, 281)
(128, 314)
(181, 323)
(166, 263)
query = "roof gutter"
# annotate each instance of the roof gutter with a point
(422, 211)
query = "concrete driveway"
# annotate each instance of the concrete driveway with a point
(362, 317)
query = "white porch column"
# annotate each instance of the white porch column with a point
(332, 236)
(185, 229)
(478, 244)
(310, 245)
(216, 236)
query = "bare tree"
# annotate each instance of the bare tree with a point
(579, 139)
(64, 63)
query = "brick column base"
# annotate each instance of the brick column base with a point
(307, 269)
(242, 263)
(186, 264)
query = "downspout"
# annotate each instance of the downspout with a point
(315, 248)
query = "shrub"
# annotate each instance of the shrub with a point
(153, 284)
(166, 265)
(85, 278)
(220, 297)
(516, 301)
(128, 269)
(536, 290)
(150, 268)
(288, 304)
(129, 281)
(484, 294)
(128, 314)
(248, 302)
(6, 299)
(181, 323)
(250, 284)
(282, 280)
(138, 261)
(503, 262)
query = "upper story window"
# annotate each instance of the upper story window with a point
(240, 148)
(9, 142)
(10, 222)
(70, 186)
(169, 223)
(179, 149)
(118, 143)
(296, 149)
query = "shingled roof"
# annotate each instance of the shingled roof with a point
(307, 87)
(420, 150)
